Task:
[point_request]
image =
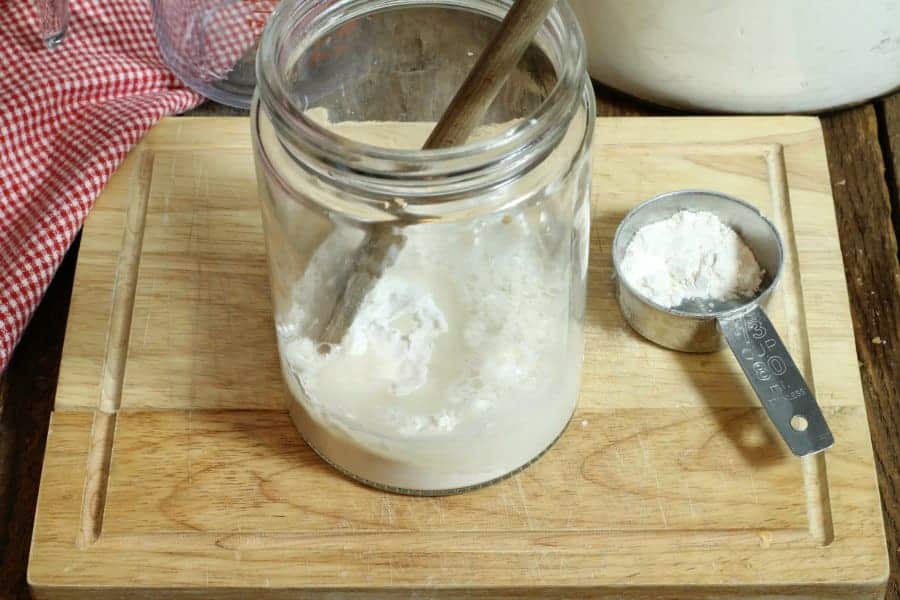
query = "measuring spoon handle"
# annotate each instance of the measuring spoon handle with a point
(778, 384)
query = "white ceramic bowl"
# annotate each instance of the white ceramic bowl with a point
(756, 56)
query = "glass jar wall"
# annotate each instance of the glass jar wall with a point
(459, 362)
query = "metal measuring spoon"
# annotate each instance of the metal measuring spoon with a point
(704, 326)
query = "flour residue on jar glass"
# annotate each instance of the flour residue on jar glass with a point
(461, 353)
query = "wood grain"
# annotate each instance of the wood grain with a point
(888, 112)
(497, 60)
(168, 521)
(666, 478)
(613, 103)
(869, 244)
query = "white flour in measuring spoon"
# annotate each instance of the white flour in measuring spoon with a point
(690, 256)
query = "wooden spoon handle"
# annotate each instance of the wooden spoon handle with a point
(463, 114)
(498, 59)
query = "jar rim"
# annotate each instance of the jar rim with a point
(413, 172)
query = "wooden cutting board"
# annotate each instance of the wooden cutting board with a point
(173, 471)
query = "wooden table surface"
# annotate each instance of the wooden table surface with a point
(864, 157)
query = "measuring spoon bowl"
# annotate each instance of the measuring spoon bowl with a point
(700, 325)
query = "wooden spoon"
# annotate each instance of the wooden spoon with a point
(468, 107)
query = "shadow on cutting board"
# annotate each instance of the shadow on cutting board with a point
(743, 422)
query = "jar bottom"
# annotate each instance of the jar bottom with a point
(387, 475)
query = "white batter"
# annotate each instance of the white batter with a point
(461, 364)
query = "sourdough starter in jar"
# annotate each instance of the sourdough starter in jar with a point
(462, 362)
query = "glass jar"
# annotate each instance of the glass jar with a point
(211, 44)
(460, 362)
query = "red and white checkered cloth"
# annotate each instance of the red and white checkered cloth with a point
(68, 116)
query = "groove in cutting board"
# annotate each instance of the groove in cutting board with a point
(125, 284)
(104, 426)
(96, 479)
(814, 469)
